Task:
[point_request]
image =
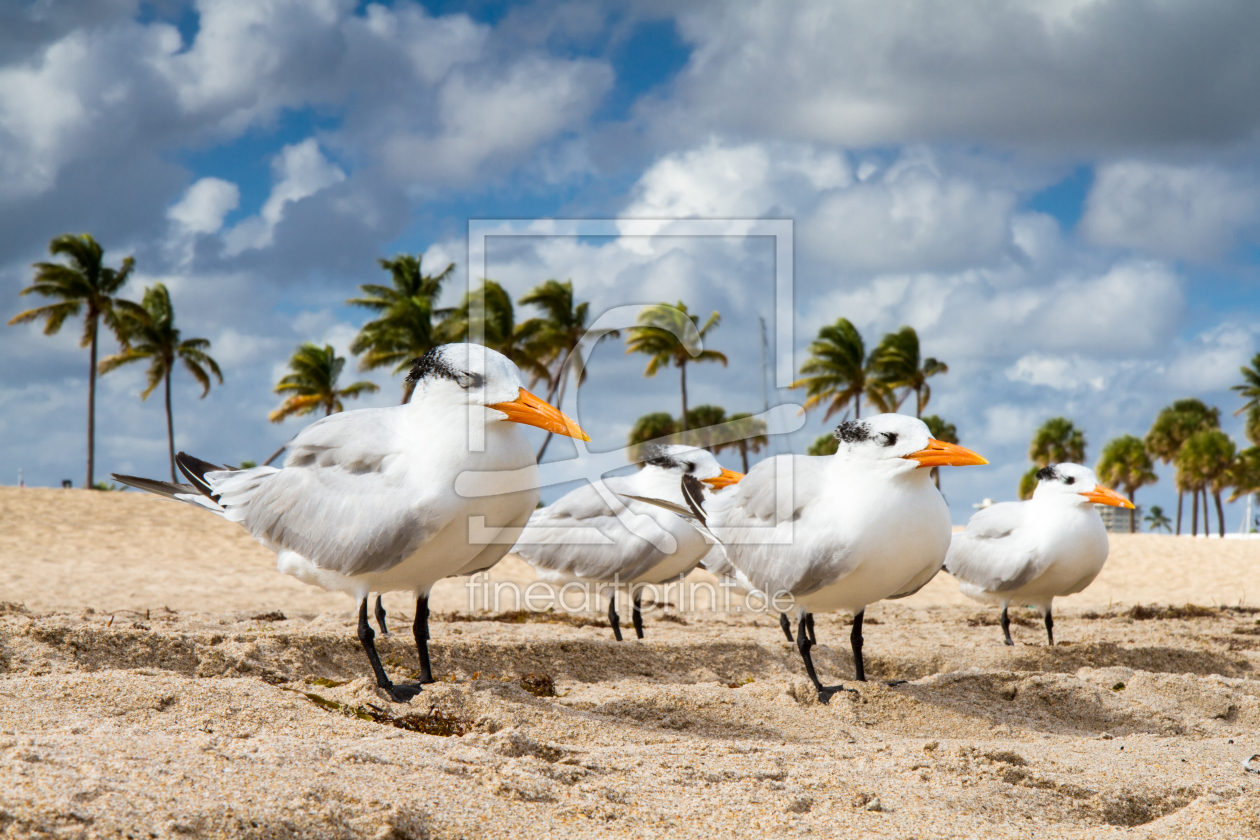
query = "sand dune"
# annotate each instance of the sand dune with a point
(149, 688)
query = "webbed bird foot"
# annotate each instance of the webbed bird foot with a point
(402, 693)
(825, 692)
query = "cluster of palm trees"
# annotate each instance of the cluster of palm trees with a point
(83, 285)
(838, 374)
(1187, 435)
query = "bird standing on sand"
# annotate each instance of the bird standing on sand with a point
(547, 543)
(366, 499)
(864, 524)
(1032, 552)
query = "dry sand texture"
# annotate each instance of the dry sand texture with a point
(196, 714)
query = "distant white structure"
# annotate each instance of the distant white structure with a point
(984, 504)
(1117, 519)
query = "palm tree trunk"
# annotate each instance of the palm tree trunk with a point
(1207, 520)
(1194, 516)
(170, 424)
(91, 442)
(1132, 513)
(562, 383)
(1220, 514)
(1180, 496)
(743, 453)
(682, 371)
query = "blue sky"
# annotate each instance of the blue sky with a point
(1060, 196)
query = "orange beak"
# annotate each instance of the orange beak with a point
(532, 411)
(726, 479)
(941, 454)
(1105, 496)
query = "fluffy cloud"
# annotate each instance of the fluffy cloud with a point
(300, 170)
(204, 206)
(1210, 361)
(1052, 74)
(1178, 211)
(911, 216)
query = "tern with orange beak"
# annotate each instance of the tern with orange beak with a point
(1032, 552)
(557, 546)
(366, 501)
(838, 532)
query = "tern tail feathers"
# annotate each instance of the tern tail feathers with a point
(185, 493)
(152, 485)
(195, 469)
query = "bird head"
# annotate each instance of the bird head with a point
(898, 442)
(678, 460)
(473, 375)
(1076, 484)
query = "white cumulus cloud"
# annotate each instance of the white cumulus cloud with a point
(301, 170)
(1177, 211)
(204, 206)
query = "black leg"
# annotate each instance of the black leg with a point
(420, 629)
(613, 618)
(1049, 627)
(1006, 627)
(803, 644)
(813, 634)
(367, 637)
(786, 625)
(380, 617)
(636, 615)
(855, 639)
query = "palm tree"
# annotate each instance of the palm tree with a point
(941, 430)
(1156, 519)
(1125, 463)
(1252, 427)
(404, 328)
(896, 364)
(1249, 390)
(491, 309)
(700, 421)
(1028, 484)
(1172, 427)
(151, 334)
(554, 338)
(752, 436)
(823, 445)
(1244, 477)
(81, 283)
(1058, 441)
(837, 372)
(655, 336)
(313, 383)
(1204, 461)
(650, 427)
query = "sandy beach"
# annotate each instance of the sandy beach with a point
(158, 678)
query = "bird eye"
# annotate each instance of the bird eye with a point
(1069, 480)
(889, 438)
(689, 467)
(468, 380)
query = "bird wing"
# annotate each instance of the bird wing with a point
(185, 493)
(754, 521)
(552, 543)
(343, 500)
(996, 553)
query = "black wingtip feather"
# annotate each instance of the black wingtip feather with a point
(693, 493)
(153, 485)
(195, 470)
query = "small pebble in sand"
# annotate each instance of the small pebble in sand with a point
(874, 804)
